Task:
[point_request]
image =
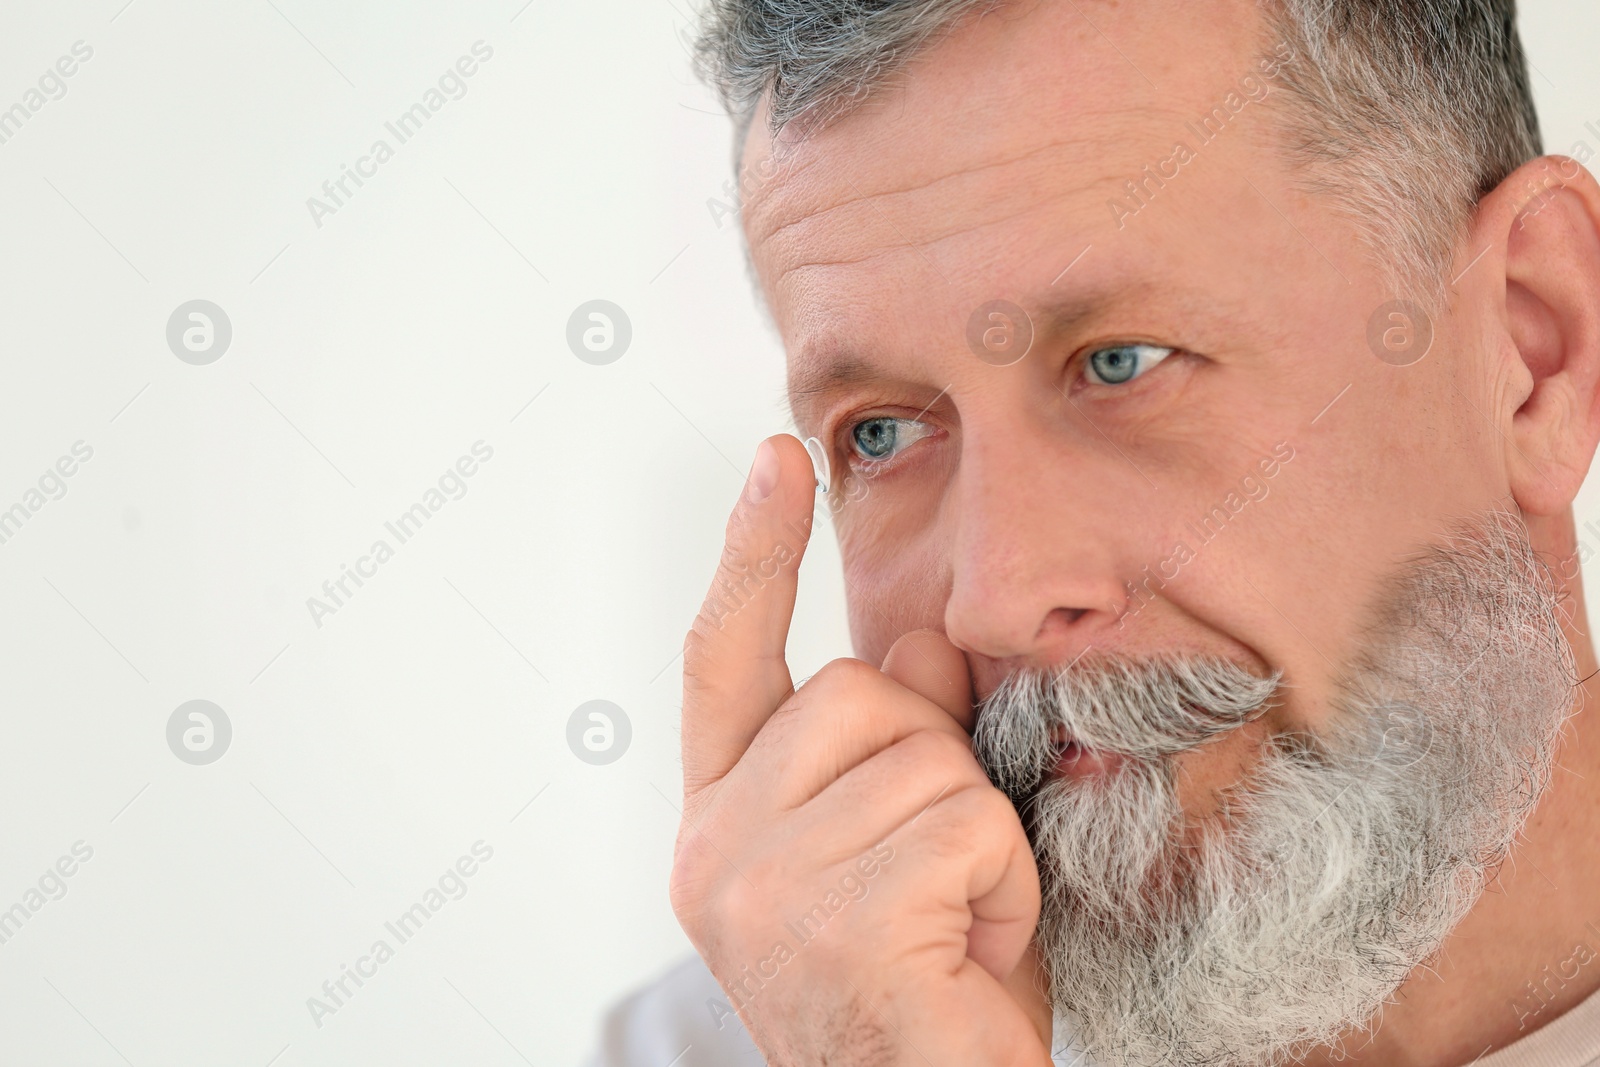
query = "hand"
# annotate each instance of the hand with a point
(859, 889)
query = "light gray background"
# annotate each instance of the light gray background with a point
(367, 355)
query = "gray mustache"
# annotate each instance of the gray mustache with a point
(1144, 709)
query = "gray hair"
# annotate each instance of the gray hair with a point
(1337, 865)
(1404, 112)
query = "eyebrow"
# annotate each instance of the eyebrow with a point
(823, 376)
(1059, 315)
(1054, 316)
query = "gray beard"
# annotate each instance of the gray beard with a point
(1336, 867)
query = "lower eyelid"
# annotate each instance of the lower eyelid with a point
(855, 459)
(1084, 371)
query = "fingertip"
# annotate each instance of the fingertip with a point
(925, 662)
(763, 476)
(781, 487)
(797, 474)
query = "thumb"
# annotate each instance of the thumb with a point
(925, 662)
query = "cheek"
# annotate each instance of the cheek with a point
(893, 584)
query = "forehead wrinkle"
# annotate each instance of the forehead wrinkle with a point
(819, 239)
(806, 214)
(1107, 130)
(925, 244)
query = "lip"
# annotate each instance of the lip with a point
(1075, 761)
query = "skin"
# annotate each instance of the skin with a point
(1008, 535)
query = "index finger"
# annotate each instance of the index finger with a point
(734, 671)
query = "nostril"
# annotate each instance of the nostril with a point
(1061, 617)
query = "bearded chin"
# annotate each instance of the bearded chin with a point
(1343, 860)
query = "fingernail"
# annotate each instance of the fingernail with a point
(763, 474)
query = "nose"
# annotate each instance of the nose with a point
(1034, 566)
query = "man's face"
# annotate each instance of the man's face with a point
(1200, 452)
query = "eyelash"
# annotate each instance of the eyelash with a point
(856, 461)
(1141, 347)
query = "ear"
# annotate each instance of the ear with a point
(1545, 218)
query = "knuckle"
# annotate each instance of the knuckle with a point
(691, 882)
(785, 718)
(936, 753)
(973, 812)
(702, 646)
(733, 540)
(697, 644)
(943, 748)
(992, 809)
(685, 890)
(736, 579)
(742, 914)
(735, 558)
(716, 907)
(718, 850)
(843, 674)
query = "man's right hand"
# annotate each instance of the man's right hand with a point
(844, 867)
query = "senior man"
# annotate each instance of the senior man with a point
(1205, 389)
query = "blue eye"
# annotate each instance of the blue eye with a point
(1123, 363)
(882, 438)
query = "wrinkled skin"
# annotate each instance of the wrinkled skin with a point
(1022, 524)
